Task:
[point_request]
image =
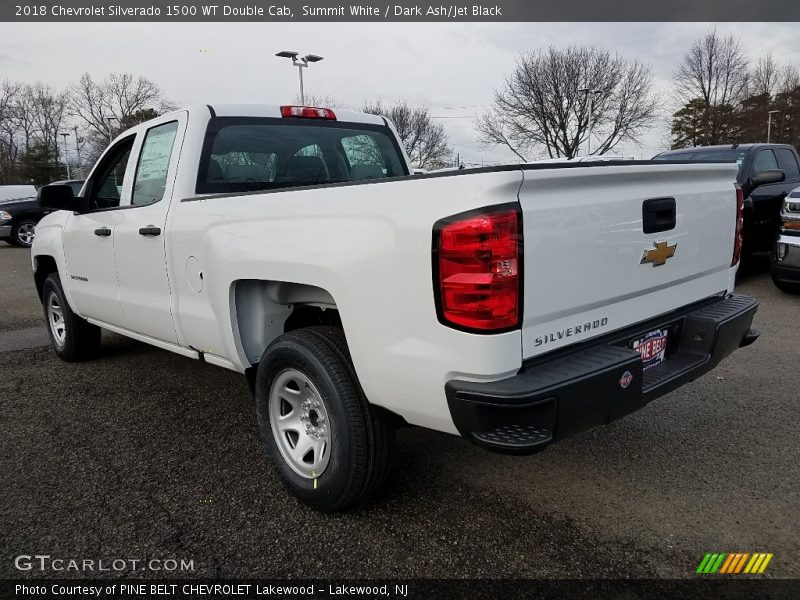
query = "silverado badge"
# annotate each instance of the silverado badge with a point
(658, 255)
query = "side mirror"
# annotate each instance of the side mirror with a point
(766, 177)
(58, 197)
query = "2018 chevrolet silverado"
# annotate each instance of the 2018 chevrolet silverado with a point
(514, 306)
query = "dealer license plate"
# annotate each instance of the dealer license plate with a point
(652, 347)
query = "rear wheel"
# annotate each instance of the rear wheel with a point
(22, 233)
(330, 447)
(72, 338)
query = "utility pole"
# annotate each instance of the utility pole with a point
(66, 158)
(78, 152)
(590, 93)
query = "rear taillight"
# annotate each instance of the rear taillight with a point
(737, 235)
(308, 112)
(477, 265)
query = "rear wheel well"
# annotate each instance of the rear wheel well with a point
(44, 266)
(268, 309)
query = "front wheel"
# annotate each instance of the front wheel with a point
(330, 447)
(72, 338)
(22, 233)
(787, 287)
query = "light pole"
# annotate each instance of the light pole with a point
(108, 120)
(78, 151)
(590, 93)
(301, 63)
(66, 158)
(769, 123)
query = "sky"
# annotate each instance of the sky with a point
(452, 68)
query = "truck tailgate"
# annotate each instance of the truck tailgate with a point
(584, 246)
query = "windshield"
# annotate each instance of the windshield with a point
(251, 154)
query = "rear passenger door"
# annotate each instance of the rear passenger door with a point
(139, 238)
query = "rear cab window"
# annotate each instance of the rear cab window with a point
(787, 162)
(764, 161)
(244, 154)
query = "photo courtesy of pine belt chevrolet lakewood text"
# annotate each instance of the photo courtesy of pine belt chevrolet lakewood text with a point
(513, 305)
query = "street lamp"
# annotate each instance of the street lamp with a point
(66, 158)
(769, 122)
(590, 93)
(301, 63)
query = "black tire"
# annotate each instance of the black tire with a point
(361, 449)
(21, 234)
(80, 340)
(787, 287)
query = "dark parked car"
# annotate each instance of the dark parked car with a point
(767, 173)
(19, 216)
(786, 258)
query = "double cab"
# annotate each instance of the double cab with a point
(514, 306)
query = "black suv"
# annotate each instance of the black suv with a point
(764, 189)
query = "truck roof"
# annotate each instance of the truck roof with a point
(723, 147)
(274, 110)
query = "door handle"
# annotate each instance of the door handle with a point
(103, 232)
(150, 230)
(658, 214)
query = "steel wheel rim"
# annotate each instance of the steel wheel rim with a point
(300, 424)
(55, 317)
(26, 233)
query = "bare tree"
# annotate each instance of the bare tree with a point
(49, 111)
(541, 105)
(319, 101)
(765, 77)
(424, 139)
(714, 70)
(8, 143)
(103, 105)
(23, 116)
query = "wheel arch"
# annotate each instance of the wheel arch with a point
(44, 265)
(266, 309)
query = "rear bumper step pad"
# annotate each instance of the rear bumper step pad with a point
(599, 383)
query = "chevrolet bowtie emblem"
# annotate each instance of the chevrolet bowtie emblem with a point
(659, 255)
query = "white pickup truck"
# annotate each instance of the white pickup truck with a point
(514, 305)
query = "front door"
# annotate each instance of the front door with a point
(91, 276)
(139, 238)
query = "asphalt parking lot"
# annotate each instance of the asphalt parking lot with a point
(147, 454)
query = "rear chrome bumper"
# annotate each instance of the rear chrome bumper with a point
(599, 382)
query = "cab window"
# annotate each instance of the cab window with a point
(788, 164)
(151, 172)
(764, 161)
(105, 188)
